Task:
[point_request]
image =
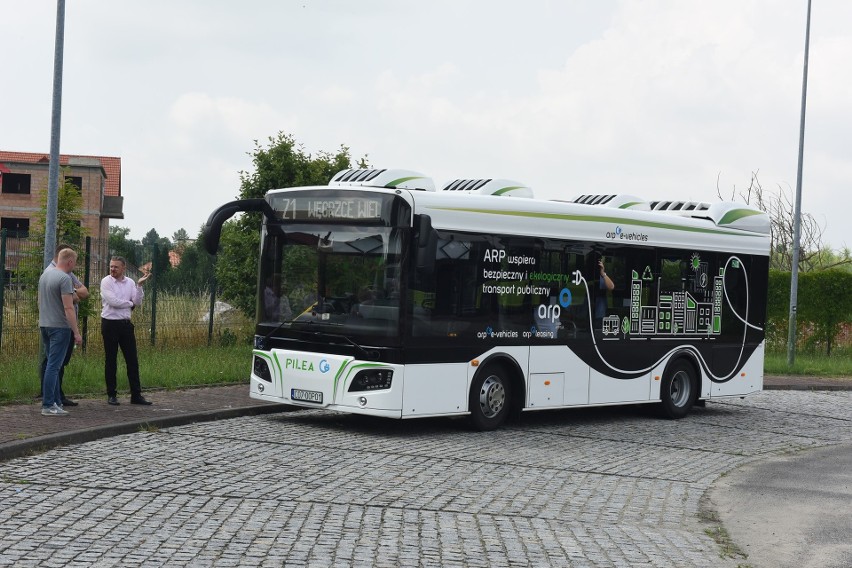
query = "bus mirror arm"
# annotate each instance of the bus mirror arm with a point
(213, 227)
(427, 243)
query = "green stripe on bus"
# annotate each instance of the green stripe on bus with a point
(337, 378)
(504, 190)
(736, 215)
(594, 219)
(396, 182)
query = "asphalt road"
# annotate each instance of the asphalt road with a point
(791, 511)
(593, 487)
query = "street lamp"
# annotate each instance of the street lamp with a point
(797, 213)
(55, 121)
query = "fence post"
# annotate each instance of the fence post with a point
(155, 265)
(2, 278)
(87, 272)
(212, 310)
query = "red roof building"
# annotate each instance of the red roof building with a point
(24, 180)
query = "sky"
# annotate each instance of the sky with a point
(662, 99)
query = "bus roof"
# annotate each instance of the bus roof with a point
(507, 207)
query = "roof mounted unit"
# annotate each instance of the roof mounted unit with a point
(722, 213)
(737, 216)
(618, 201)
(684, 206)
(390, 179)
(501, 187)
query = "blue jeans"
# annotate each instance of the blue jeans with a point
(55, 340)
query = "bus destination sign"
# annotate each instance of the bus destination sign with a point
(330, 208)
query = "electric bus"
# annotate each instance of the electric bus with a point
(378, 294)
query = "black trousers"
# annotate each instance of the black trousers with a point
(119, 334)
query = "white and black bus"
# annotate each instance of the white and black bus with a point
(379, 295)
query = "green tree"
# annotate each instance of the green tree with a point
(281, 163)
(813, 254)
(180, 240)
(120, 244)
(194, 272)
(68, 230)
(162, 248)
(69, 216)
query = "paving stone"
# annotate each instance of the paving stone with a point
(597, 487)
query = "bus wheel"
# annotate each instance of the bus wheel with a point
(678, 390)
(489, 398)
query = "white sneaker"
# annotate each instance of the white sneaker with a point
(54, 410)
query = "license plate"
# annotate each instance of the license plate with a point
(306, 396)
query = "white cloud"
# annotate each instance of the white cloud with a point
(650, 97)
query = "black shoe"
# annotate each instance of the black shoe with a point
(140, 400)
(113, 401)
(68, 402)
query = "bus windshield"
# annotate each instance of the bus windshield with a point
(331, 278)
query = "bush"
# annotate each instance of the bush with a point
(824, 309)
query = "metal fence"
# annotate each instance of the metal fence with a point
(165, 319)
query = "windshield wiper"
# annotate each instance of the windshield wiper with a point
(370, 354)
(295, 320)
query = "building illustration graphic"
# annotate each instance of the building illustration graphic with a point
(676, 313)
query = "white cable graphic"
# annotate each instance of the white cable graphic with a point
(580, 279)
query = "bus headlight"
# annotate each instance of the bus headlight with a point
(372, 379)
(261, 369)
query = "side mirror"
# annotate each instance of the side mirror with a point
(213, 227)
(427, 244)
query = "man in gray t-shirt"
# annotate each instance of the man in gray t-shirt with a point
(57, 321)
(80, 293)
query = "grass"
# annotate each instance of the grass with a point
(180, 357)
(727, 547)
(171, 368)
(810, 364)
(182, 367)
(181, 322)
(13, 480)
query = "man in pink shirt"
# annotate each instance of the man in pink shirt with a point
(120, 296)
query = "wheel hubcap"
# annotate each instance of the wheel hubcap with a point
(492, 397)
(679, 391)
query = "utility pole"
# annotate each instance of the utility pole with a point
(56, 120)
(797, 218)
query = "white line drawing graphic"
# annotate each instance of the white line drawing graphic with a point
(719, 292)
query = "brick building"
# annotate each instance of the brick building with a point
(24, 180)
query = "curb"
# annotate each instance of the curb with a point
(42, 443)
(39, 444)
(808, 387)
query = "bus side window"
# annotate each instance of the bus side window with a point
(445, 289)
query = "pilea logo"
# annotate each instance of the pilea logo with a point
(298, 364)
(324, 366)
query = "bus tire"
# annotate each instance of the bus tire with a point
(490, 397)
(678, 390)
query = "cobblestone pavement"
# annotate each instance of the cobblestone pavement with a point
(23, 429)
(594, 487)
